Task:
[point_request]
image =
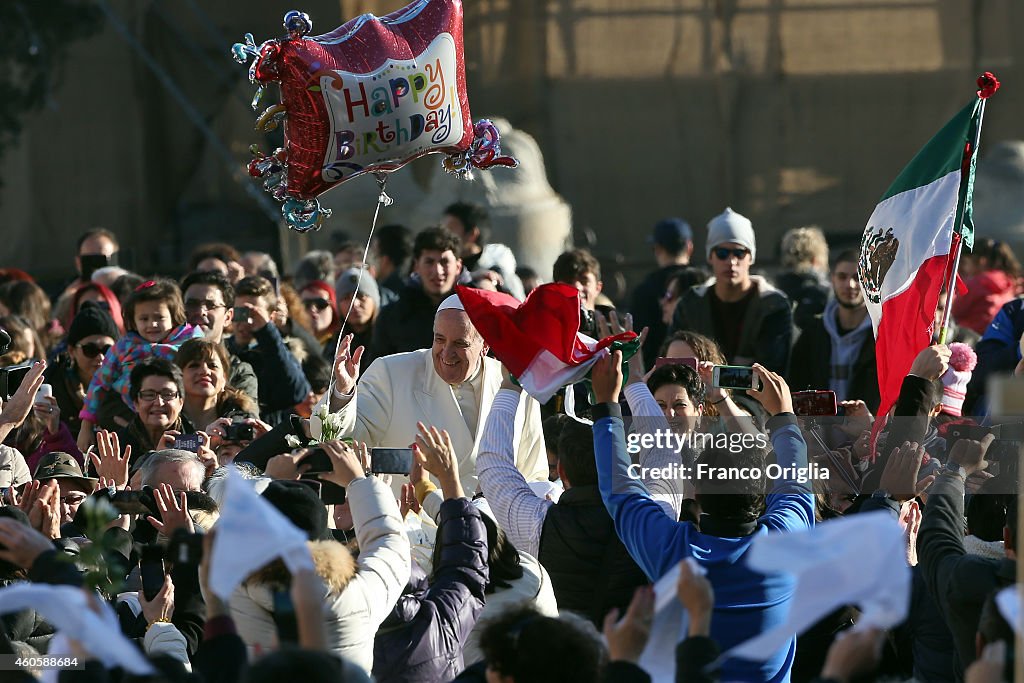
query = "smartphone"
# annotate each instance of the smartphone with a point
(45, 392)
(318, 461)
(91, 263)
(284, 617)
(331, 493)
(242, 315)
(733, 377)
(11, 378)
(815, 403)
(151, 568)
(187, 442)
(390, 460)
(688, 362)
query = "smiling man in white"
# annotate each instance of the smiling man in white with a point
(450, 386)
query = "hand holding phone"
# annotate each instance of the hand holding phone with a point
(733, 377)
(151, 569)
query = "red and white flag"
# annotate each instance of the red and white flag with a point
(538, 340)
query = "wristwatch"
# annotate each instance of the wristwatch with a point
(955, 468)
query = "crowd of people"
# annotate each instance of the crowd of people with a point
(514, 545)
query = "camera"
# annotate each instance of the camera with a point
(588, 323)
(239, 431)
(11, 379)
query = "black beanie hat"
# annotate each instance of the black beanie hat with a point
(91, 319)
(300, 504)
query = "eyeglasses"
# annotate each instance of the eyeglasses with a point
(199, 305)
(319, 304)
(723, 253)
(92, 349)
(73, 499)
(149, 395)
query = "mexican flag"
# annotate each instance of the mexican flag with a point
(906, 246)
(539, 340)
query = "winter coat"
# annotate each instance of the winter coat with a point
(406, 324)
(360, 594)
(279, 375)
(986, 294)
(813, 370)
(534, 587)
(998, 352)
(767, 330)
(115, 373)
(959, 583)
(591, 571)
(423, 637)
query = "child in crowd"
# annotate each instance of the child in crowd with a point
(154, 317)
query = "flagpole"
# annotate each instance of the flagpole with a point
(957, 240)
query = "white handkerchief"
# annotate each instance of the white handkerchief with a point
(671, 622)
(67, 609)
(857, 560)
(251, 533)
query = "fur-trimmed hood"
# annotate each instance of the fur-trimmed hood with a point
(333, 561)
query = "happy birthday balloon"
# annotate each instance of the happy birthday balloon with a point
(368, 97)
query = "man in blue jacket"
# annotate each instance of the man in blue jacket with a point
(735, 512)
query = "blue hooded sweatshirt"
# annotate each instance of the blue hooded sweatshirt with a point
(747, 603)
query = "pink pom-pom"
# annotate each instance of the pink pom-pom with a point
(962, 357)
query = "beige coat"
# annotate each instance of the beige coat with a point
(396, 391)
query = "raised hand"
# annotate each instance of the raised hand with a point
(436, 454)
(346, 366)
(774, 392)
(109, 462)
(350, 462)
(173, 511)
(628, 638)
(606, 377)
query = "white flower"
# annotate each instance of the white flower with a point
(293, 441)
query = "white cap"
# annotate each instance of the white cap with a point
(453, 303)
(730, 226)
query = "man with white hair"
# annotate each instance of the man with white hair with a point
(181, 470)
(450, 386)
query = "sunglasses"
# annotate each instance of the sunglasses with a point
(319, 304)
(723, 253)
(92, 349)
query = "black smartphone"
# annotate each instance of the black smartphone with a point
(11, 379)
(390, 460)
(134, 502)
(93, 262)
(318, 461)
(331, 493)
(151, 569)
(242, 315)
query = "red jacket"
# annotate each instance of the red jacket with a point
(987, 292)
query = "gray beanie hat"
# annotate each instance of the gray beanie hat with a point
(346, 284)
(730, 226)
